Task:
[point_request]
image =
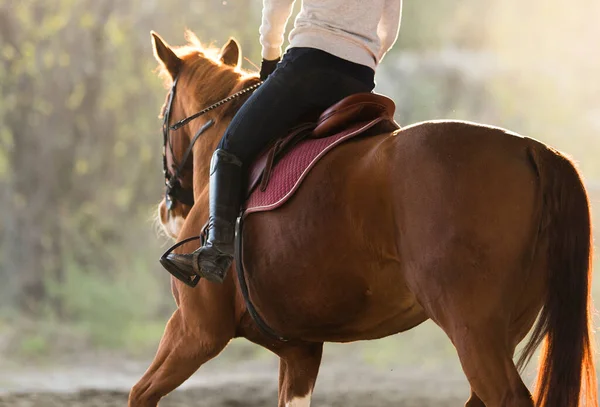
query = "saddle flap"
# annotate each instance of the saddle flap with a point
(360, 107)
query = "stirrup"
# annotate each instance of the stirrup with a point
(189, 279)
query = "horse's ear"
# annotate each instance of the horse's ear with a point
(230, 53)
(165, 55)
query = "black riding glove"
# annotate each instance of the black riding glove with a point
(267, 67)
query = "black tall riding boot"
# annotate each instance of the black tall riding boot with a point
(212, 260)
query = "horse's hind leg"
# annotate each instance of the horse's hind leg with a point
(486, 358)
(182, 350)
(476, 309)
(298, 369)
(474, 401)
(517, 330)
(520, 328)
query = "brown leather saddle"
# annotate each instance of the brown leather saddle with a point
(353, 110)
(358, 108)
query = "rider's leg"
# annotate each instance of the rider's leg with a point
(305, 80)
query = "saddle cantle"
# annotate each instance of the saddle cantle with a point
(279, 171)
(361, 107)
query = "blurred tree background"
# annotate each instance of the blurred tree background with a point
(80, 142)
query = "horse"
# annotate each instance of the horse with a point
(477, 228)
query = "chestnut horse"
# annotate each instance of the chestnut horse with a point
(479, 229)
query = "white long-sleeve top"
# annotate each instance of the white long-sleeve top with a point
(360, 31)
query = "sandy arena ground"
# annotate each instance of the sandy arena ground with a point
(342, 382)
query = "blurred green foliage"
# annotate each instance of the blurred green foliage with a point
(34, 345)
(105, 306)
(80, 143)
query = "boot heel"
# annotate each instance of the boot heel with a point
(214, 267)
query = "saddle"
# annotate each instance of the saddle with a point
(356, 113)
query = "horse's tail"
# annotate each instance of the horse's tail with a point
(566, 373)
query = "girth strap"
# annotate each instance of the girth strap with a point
(239, 266)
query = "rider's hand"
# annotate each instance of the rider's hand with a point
(267, 67)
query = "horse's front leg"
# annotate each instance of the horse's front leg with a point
(298, 369)
(183, 348)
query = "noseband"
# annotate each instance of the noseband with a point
(174, 191)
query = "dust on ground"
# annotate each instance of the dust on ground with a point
(104, 381)
(236, 397)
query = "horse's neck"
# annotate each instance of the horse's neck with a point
(202, 156)
(201, 176)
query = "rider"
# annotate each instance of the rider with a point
(335, 47)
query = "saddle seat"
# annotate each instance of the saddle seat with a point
(296, 153)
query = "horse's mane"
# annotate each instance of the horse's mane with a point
(214, 80)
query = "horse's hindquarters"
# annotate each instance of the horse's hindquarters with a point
(469, 209)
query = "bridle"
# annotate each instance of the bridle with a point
(174, 191)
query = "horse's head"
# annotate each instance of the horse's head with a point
(197, 78)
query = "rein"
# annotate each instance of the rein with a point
(174, 191)
(185, 121)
